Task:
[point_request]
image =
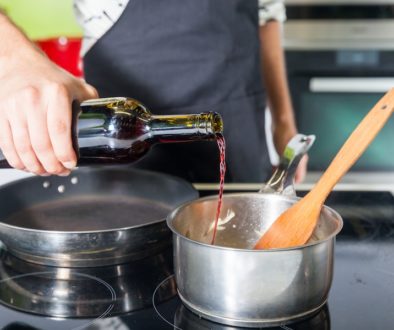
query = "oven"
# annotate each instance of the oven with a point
(340, 61)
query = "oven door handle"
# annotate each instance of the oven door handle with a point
(350, 85)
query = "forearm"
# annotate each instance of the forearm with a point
(36, 99)
(275, 79)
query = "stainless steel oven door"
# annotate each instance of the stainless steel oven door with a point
(330, 108)
(378, 85)
(339, 24)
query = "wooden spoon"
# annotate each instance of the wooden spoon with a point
(295, 226)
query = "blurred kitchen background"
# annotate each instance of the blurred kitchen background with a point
(340, 61)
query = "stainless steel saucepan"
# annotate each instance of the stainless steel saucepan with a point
(233, 284)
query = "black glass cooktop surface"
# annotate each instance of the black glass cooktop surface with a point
(142, 294)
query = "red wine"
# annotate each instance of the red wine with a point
(222, 151)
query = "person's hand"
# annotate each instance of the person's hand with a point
(36, 112)
(282, 134)
(301, 170)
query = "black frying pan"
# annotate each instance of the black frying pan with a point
(94, 217)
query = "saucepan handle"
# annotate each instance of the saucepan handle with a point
(282, 180)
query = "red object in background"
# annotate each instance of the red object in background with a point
(65, 52)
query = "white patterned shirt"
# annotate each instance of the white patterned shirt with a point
(97, 16)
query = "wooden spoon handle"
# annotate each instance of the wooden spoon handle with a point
(355, 145)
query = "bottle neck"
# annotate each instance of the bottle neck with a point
(179, 128)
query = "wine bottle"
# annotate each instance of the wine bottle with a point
(122, 130)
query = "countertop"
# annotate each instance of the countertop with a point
(353, 181)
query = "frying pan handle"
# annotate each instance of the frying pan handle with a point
(3, 161)
(282, 181)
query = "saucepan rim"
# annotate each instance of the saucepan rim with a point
(172, 215)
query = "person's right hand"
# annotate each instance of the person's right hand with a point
(36, 112)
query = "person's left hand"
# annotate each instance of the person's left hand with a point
(301, 170)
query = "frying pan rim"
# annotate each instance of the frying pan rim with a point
(171, 216)
(85, 232)
(117, 170)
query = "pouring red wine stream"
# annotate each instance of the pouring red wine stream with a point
(222, 152)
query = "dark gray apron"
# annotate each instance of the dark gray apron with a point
(190, 56)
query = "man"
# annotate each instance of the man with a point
(176, 56)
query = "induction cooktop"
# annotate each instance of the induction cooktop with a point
(143, 295)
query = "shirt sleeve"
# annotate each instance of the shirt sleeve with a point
(271, 10)
(96, 17)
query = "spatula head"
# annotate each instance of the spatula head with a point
(294, 227)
